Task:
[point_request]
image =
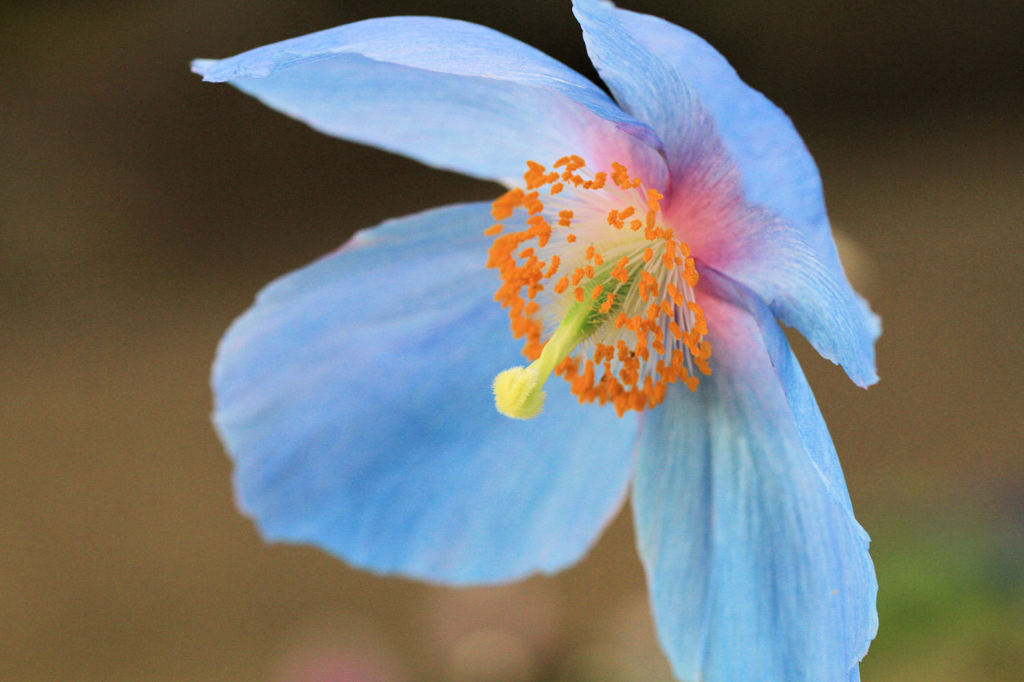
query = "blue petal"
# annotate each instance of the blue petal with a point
(355, 399)
(448, 93)
(757, 568)
(660, 73)
(717, 132)
(771, 258)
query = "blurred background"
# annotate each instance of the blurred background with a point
(141, 210)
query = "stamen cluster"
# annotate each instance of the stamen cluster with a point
(598, 238)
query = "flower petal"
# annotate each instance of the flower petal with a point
(355, 399)
(757, 568)
(740, 169)
(665, 75)
(771, 258)
(449, 93)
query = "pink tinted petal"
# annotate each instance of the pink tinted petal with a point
(756, 566)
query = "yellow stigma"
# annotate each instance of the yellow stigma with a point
(593, 269)
(518, 393)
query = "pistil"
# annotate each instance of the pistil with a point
(519, 391)
(623, 292)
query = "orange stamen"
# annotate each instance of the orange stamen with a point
(504, 205)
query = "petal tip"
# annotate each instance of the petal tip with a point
(202, 67)
(591, 4)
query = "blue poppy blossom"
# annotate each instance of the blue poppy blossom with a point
(375, 402)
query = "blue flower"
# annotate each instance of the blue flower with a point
(646, 262)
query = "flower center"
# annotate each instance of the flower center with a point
(620, 322)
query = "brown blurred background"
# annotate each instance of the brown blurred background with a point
(140, 211)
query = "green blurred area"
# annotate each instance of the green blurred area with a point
(141, 210)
